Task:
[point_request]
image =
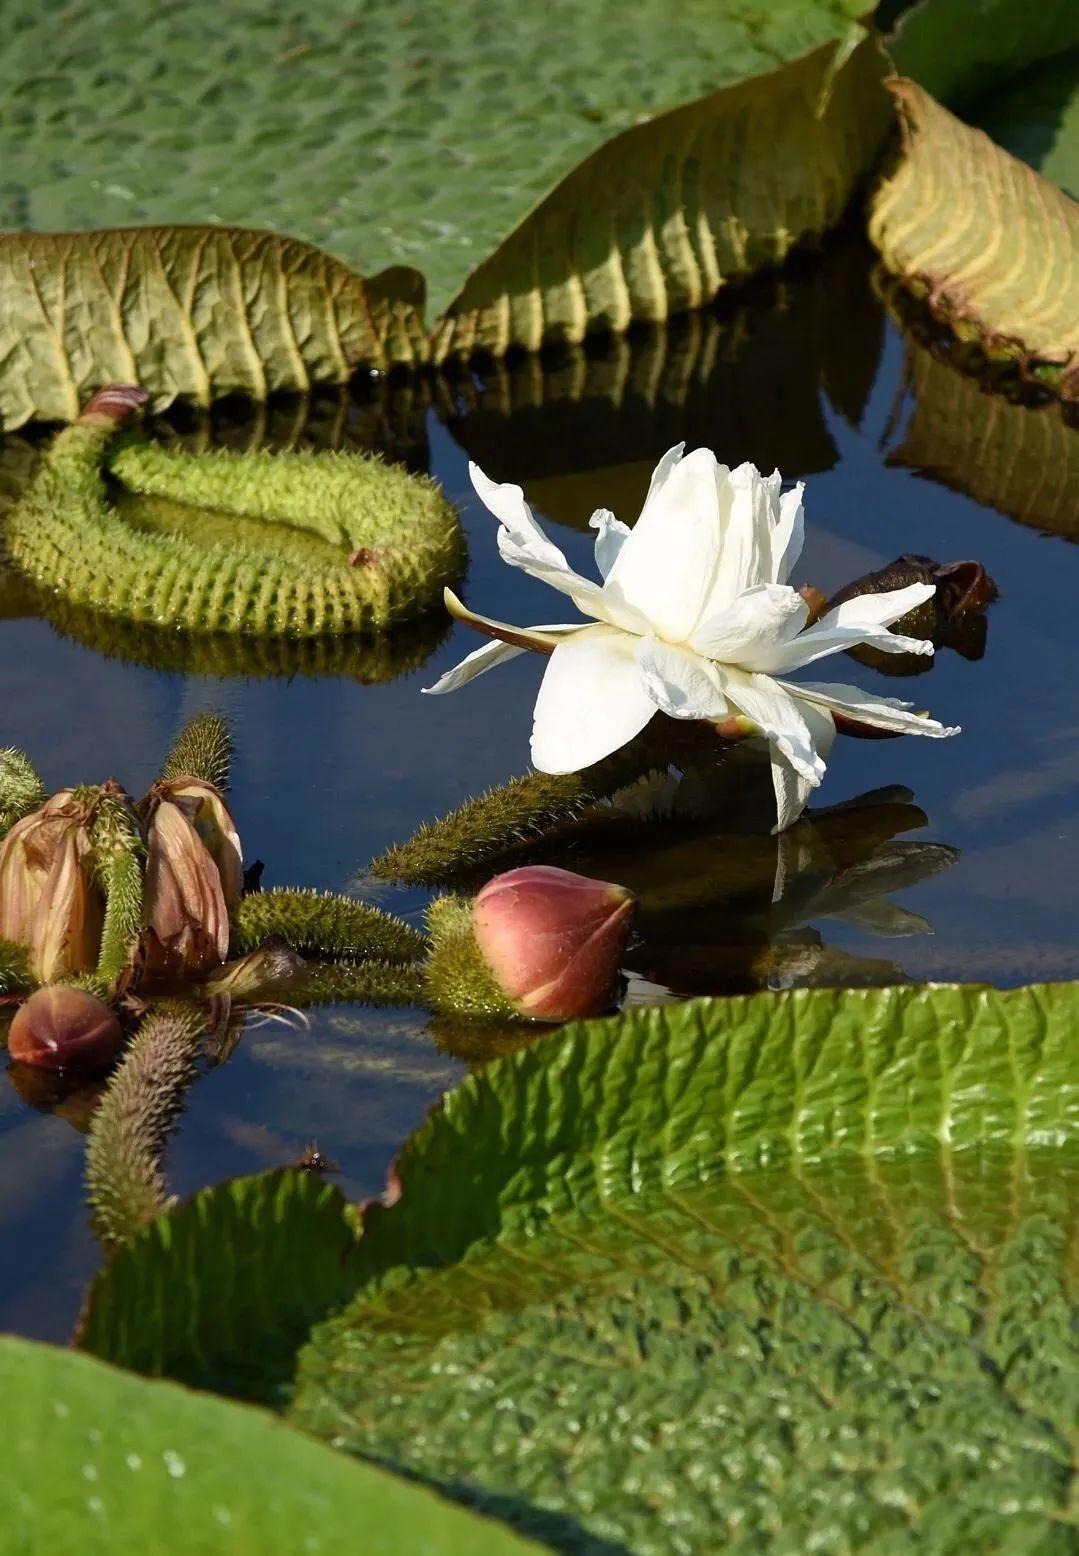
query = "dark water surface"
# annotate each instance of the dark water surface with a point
(967, 867)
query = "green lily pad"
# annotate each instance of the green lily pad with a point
(221, 1291)
(104, 1463)
(779, 1273)
(1036, 118)
(415, 136)
(959, 50)
(763, 1275)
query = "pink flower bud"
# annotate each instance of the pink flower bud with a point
(64, 1028)
(553, 940)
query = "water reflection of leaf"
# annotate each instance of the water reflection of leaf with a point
(368, 661)
(1019, 459)
(744, 381)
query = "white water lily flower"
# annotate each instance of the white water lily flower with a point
(695, 617)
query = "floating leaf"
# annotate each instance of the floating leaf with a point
(789, 1273)
(187, 312)
(221, 1291)
(1022, 460)
(664, 215)
(959, 49)
(1036, 118)
(796, 1266)
(992, 247)
(388, 135)
(102, 1463)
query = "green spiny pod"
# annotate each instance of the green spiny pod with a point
(499, 823)
(21, 790)
(202, 749)
(359, 983)
(15, 974)
(262, 544)
(129, 1130)
(458, 980)
(320, 924)
(119, 860)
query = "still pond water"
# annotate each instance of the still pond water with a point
(966, 867)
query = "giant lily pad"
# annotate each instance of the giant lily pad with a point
(991, 246)
(388, 135)
(102, 1463)
(784, 1272)
(192, 312)
(772, 1276)
(960, 50)
(667, 213)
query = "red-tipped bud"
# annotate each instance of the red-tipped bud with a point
(553, 940)
(64, 1029)
(115, 402)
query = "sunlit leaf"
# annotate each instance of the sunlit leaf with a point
(660, 218)
(103, 1463)
(386, 134)
(992, 247)
(1022, 460)
(798, 1266)
(187, 312)
(787, 1274)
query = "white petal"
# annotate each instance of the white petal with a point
(592, 701)
(522, 543)
(881, 712)
(680, 682)
(477, 663)
(612, 533)
(865, 619)
(880, 610)
(788, 535)
(667, 567)
(792, 790)
(486, 658)
(663, 469)
(776, 709)
(751, 625)
(746, 558)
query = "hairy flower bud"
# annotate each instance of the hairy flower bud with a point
(64, 1029)
(48, 899)
(553, 940)
(194, 876)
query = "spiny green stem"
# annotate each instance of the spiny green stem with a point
(118, 866)
(129, 1131)
(359, 983)
(294, 544)
(503, 820)
(21, 789)
(203, 749)
(320, 924)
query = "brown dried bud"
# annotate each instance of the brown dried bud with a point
(48, 900)
(194, 875)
